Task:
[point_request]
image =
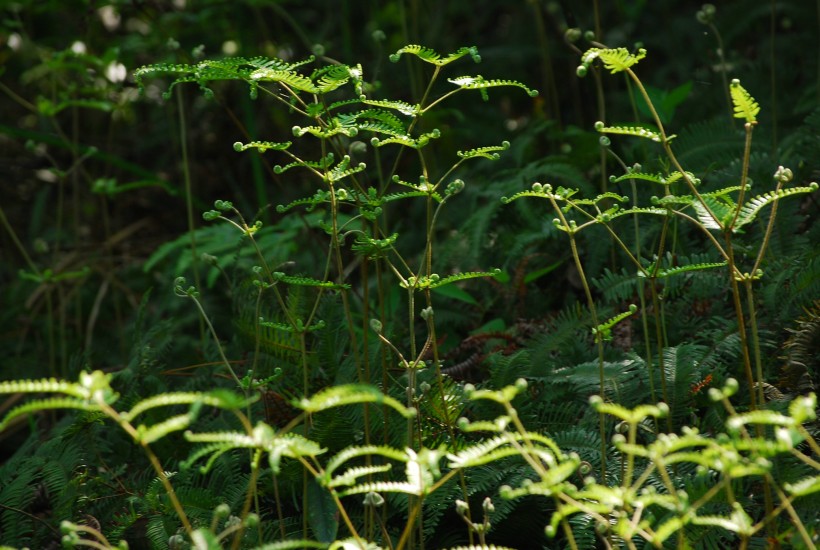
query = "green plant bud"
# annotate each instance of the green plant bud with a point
(584, 468)
(222, 511)
(783, 175)
(378, 35)
(427, 313)
(731, 387)
(357, 148)
(252, 520)
(463, 423)
(318, 50)
(622, 427)
(376, 326)
(488, 506)
(589, 36)
(550, 531)
(572, 35)
(424, 387)
(599, 125)
(618, 439)
(663, 410)
(469, 389)
(521, 384)
(715, 394)
(581, 71)
(454, 187)
(537, 187)
(461, 508)
(373, 499)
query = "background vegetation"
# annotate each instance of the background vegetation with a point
(103, 188)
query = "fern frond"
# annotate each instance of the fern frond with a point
(219, 399)
(325, 132)
(605, 328)
(435, 281)
(478, 82)
(373, 248)
(383, 487)
(409, 194)
(289, 78)
(486, 152)
(350, 453)
(148, 435)
(52, 403)
(744, 104)
(431, 56)
(749, 211)
(637, 131)
(614, 59)
(406, 140)
(719, 216)
(655, 178)
(306, 281)
(311, 202)
(350, 394)
(663, 273)
(342, 170)
(400, 106)
(609, 216)
(261, 146)
(351, 475)
(332, 77)
(603, 196)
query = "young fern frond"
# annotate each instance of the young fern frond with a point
(637, 131)
(750, 210)
(644, 176)
(218, 399)
(486, 152)
(663, 273)
(51, 403)
(261, 146)
(155, 432)
(407, 141)
(745, 106)
(306, 281)
(478, 82)
(290, 78)
(401, 106)
(350, 394)
(429, 55)
(614, 59)
(435, 281)
(320, 197)
(604, 330)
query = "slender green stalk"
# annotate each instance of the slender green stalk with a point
(189, 199)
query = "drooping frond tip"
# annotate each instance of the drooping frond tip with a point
(745, 105)
(431, 56)
(614, 59)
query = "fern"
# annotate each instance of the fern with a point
(480, 83)
(637, 131)
(745, 106)
(749, 211)
(429, 55)
(614, 59)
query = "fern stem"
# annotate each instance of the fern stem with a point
(593, 311)
(189, 200)
(741, 321)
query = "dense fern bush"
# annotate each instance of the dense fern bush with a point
(339, 415)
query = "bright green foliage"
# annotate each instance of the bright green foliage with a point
(745, 105)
